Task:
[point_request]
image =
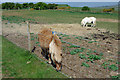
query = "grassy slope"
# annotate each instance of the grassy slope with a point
(14, 64)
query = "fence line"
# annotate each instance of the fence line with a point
(29, 36)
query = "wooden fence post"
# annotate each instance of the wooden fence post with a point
(29, 37)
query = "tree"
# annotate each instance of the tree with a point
(18, 6)
(52, 6)
(113, 9)
(31, 5)
(85, 8)
(3, 6)
(40, 6)
(8, 5)
(25, 5)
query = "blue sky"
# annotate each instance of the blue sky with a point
(60, 0)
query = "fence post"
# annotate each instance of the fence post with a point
(29, 37)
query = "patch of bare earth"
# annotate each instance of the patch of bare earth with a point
(17, 33)
(107, 20)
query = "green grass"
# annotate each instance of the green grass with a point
(57, 16)
(108, 26)
(15, 63)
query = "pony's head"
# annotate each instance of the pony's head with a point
(58, 61)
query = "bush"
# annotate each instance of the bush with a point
(108, 10)
(25, 5)
(31, 8)
(52, 6)
(18, 6)
(85, 8)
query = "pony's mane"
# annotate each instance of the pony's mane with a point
(57, 40)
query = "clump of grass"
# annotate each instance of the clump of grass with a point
(85, 64)
(16, 19)
(63, 41)
(110, 67)
(79, 37)
(113, 67)
(73, 46)
(92, 41)
(116, 77)
(89, 60)
(101, 54)
(68, 38)
(37, 42)
(32, 38)
(82, 56)
(105, 65)
(75, 51)
(64, 35)
(94, 57)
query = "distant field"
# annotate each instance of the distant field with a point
(59, 16)
(78, 9)
(15, 63)
(55, 16)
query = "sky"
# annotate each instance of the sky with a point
(59, 0)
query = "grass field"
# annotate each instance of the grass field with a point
(55, 16)
(108, 26)
(59, 16)
(15, 64)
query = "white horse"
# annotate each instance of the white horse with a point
(88, 20)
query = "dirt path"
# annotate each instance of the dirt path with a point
(75, 34)
(70, 29)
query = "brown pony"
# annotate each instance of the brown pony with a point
(51, 47)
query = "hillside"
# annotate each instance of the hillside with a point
(107, 7)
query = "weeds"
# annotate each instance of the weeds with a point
(113, 67)
(94, 57)
(85, 64)
(82, 56)
(75, 51)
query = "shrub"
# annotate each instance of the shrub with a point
(113, 67)
(85, 64)
(85, 8)
(31, 8)
(108, 10)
